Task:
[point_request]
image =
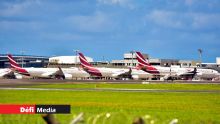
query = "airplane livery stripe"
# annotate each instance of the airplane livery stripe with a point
(144, 64)
(85, 62)
(140, 56)
(91, 70)
(88, 67)
(12, 61)
(14, 64)
(141, 59)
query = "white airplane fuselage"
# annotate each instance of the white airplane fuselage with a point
(201, 73)
(4, 72)
(115, 72)
(112, 72)
(140, 74)
(207, 73)
(48, 72)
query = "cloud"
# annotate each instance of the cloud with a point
(184, 20)
(65, 36)
(165, 18)
(114, 1)
(20, 26)
(97, 22)
(124, 3)
(17, 8)
(190, 2)
(207, 21)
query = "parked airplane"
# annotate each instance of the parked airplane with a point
(174, 73)
(67, 73)
(7, 73)
(138, 74)
(207, 74)
(103, 72)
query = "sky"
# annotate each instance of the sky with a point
(170, 29)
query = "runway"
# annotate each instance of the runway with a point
(52, 81)
(112, 90)
(17, 84)
(28, 82)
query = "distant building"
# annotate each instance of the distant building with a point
(67, 60)
(218, 60)
(28, 60)
(209, 64)
(214, 66)
(70, 61)
(168, 62)
(128, 60)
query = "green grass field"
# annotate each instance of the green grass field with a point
(169, 86)
(121, 107)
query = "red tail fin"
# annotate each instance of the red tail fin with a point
(84, 62)
(88, 67)
(141, 60)
(15, 65)
(145, 65)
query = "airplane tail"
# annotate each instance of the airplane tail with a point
(87, 66)
(16, 66)
(13, 63)
(83, 61)
(141, 60)
(145, 65)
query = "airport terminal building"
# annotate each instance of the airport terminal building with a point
(67, 60)
(25, 61)
(218, 60)
(130, 60)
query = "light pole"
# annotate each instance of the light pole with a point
(200, 56)
(76, 51)
(132, 57)
(22, 58)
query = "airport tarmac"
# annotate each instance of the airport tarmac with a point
(111, 90)
(26, 82)
(12, 84)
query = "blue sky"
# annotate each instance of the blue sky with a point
(109, 28)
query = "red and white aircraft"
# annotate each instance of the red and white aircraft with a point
(103, 72)
(67, 73)
(173, 72)
(138, 74)
(7, 73)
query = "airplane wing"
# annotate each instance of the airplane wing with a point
(7, 73)
(56, 74)
(123, 73)
(188, 73)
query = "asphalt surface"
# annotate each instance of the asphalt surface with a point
(28, 82)
(112, 90)
(12, 84)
